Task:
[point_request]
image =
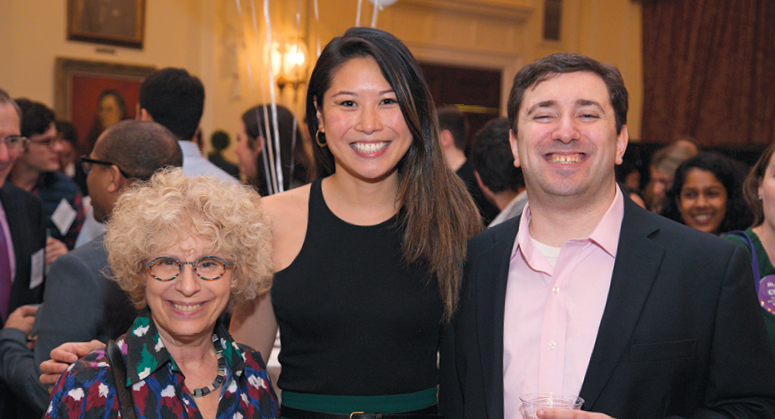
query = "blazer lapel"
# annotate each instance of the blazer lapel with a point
(637, 263)
(493, 270)
(14, 213)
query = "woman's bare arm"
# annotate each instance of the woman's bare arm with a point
(254, 325)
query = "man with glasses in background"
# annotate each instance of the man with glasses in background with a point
(22, 242)
(37, 171)
(80, 302)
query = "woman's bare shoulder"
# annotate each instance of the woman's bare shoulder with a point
(289, 204)
(288, 211)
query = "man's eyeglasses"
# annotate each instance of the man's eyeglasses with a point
(86, 163)
(16, 142)
(50, 142)
(167, 268)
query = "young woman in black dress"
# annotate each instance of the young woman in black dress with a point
(368, 259)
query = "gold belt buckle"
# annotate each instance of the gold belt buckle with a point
(378, 415)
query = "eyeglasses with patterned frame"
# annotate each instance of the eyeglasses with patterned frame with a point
(167, 268)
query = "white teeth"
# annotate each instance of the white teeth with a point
(565, 159)
(369, 148)
(702, 218)
(191, 307)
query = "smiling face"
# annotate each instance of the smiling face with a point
(566, 141)
(186, 308)
(703, 201)
(362, 121)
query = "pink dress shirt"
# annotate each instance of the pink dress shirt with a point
(552, 315)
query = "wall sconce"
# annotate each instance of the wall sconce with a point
(289, 63)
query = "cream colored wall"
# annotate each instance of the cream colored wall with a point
(501, 34)
(34, 33)
(208, 39)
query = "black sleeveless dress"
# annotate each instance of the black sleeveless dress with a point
(354, 319)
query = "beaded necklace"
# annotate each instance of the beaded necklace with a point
(199, 392)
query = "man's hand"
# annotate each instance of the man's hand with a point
(61, 358)
(23, 318)
(54, 249)
(558, 413)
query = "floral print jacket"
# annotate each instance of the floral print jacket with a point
(87, 388)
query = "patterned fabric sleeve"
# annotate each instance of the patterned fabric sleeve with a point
(85, 390)
(260, 394)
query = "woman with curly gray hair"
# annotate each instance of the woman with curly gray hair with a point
(185, 251)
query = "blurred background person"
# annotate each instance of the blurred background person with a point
(220, 141)
(759, 240)
(252, 149)
(628, 176)
(707, 194)
(186, 250)
(500, 181)
(68, 157)
(662, 168)
(174, 98)
(453, 137)
(37, 171)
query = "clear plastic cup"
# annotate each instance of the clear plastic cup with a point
(532, 402)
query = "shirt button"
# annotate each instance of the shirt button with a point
(552, 344)
(556, 290)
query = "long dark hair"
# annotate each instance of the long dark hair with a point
(440, 215)
(294, 169)
(738, 216)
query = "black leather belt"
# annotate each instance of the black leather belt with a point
(430, 412)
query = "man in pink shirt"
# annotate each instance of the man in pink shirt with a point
(588, 294)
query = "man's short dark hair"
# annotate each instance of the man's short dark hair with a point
(456, 122)
(174, 99)
(139, 148)
(36, 117)
(566, 62)
(492, 158)
(6, 98)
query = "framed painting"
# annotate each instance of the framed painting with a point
(93, 95)
(113, 22)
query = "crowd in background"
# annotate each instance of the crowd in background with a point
(397, 224)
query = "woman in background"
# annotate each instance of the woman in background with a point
(759, 240)
(707, 194)
(252, 148)
(368, 258)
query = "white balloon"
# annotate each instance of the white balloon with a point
(383, 3)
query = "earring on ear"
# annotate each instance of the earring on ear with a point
(760, 197)
(317, 139)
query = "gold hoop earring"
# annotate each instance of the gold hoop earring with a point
(317, 139)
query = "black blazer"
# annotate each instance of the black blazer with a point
(681, 335)
(27, 223)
